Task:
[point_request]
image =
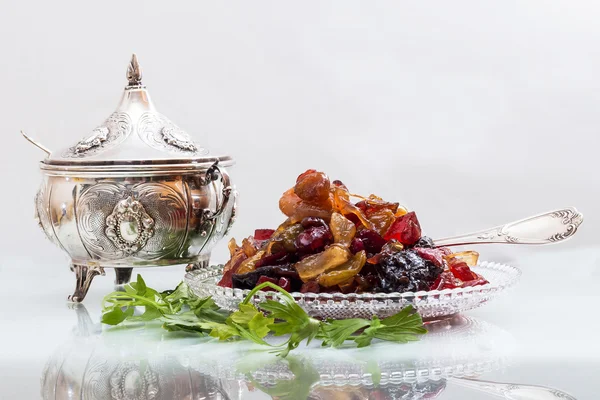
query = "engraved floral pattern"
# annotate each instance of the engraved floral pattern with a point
(112, 132)
(159, 132)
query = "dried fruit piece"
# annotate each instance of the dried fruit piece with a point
(462, 271)
(372, 241)
(313, 240)
(343, 205)
(375, 204)
(263, 234)
(339, 183)
(231, 267)
(405, 229)
(263, 279)
(232, 246)
(446, 280)
(310, 287)
(356, 245)
(249, 264)
(249, 280)
(249, 246)
(436, 256)
(469, 257)
(285, 239)
(342, 228)
(285, 284)
(348, 286)
(312, 222)
(425, 242)
(405, 271)
(382, 220)
(314, 265)
(344, 272)
(297, 209)
(312, 186)
(280, 258)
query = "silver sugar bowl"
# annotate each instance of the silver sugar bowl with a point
(136, 192)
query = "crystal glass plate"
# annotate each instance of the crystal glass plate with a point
(432, 305)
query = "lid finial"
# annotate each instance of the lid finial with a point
(134, 72)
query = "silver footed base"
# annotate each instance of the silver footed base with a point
(84, 275)
(202, 263)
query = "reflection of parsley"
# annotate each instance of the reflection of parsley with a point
(180, 310)
(298, 388)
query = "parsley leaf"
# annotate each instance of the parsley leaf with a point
(180, 310)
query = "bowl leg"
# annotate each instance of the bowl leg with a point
(202, 262)
(122, 278)
(84, 275)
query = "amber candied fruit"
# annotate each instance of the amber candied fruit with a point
(314, 265)
(342, 228)
(313, 186)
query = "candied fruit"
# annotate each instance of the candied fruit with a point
(344, 272)
(356, 245)
(313, 222)
(249, 264)
(372, 241)
(313, 240)
(469, 257)
(342, 228)
(285, 239)
(263, 234)
(316, 264)
(405, 229)
(313, 186)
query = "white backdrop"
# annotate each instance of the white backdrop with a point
(472, 113)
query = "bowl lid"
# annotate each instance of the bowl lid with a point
(135, 134)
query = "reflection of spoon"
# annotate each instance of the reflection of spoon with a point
(550, 227)
(513, 391)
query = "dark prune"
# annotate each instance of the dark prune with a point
(313, 240)
(425, 242)
(356, 245)
(279, 258)
(405, 271)
(405, 229)
(250, 279)
(313, 222)
(263, 234)
(372, 241)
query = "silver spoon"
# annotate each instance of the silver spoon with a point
(550, 227)
(513, 391)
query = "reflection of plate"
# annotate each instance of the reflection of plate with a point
(435, 304)
(146, 362)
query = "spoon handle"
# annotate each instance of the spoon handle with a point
(513, 391)
(550, 227)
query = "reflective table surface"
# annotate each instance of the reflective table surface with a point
(538, 341)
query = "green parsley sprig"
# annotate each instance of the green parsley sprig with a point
(181, 310)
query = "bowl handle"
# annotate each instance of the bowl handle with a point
(213, 173)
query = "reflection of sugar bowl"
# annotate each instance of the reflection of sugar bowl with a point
(137, 192)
